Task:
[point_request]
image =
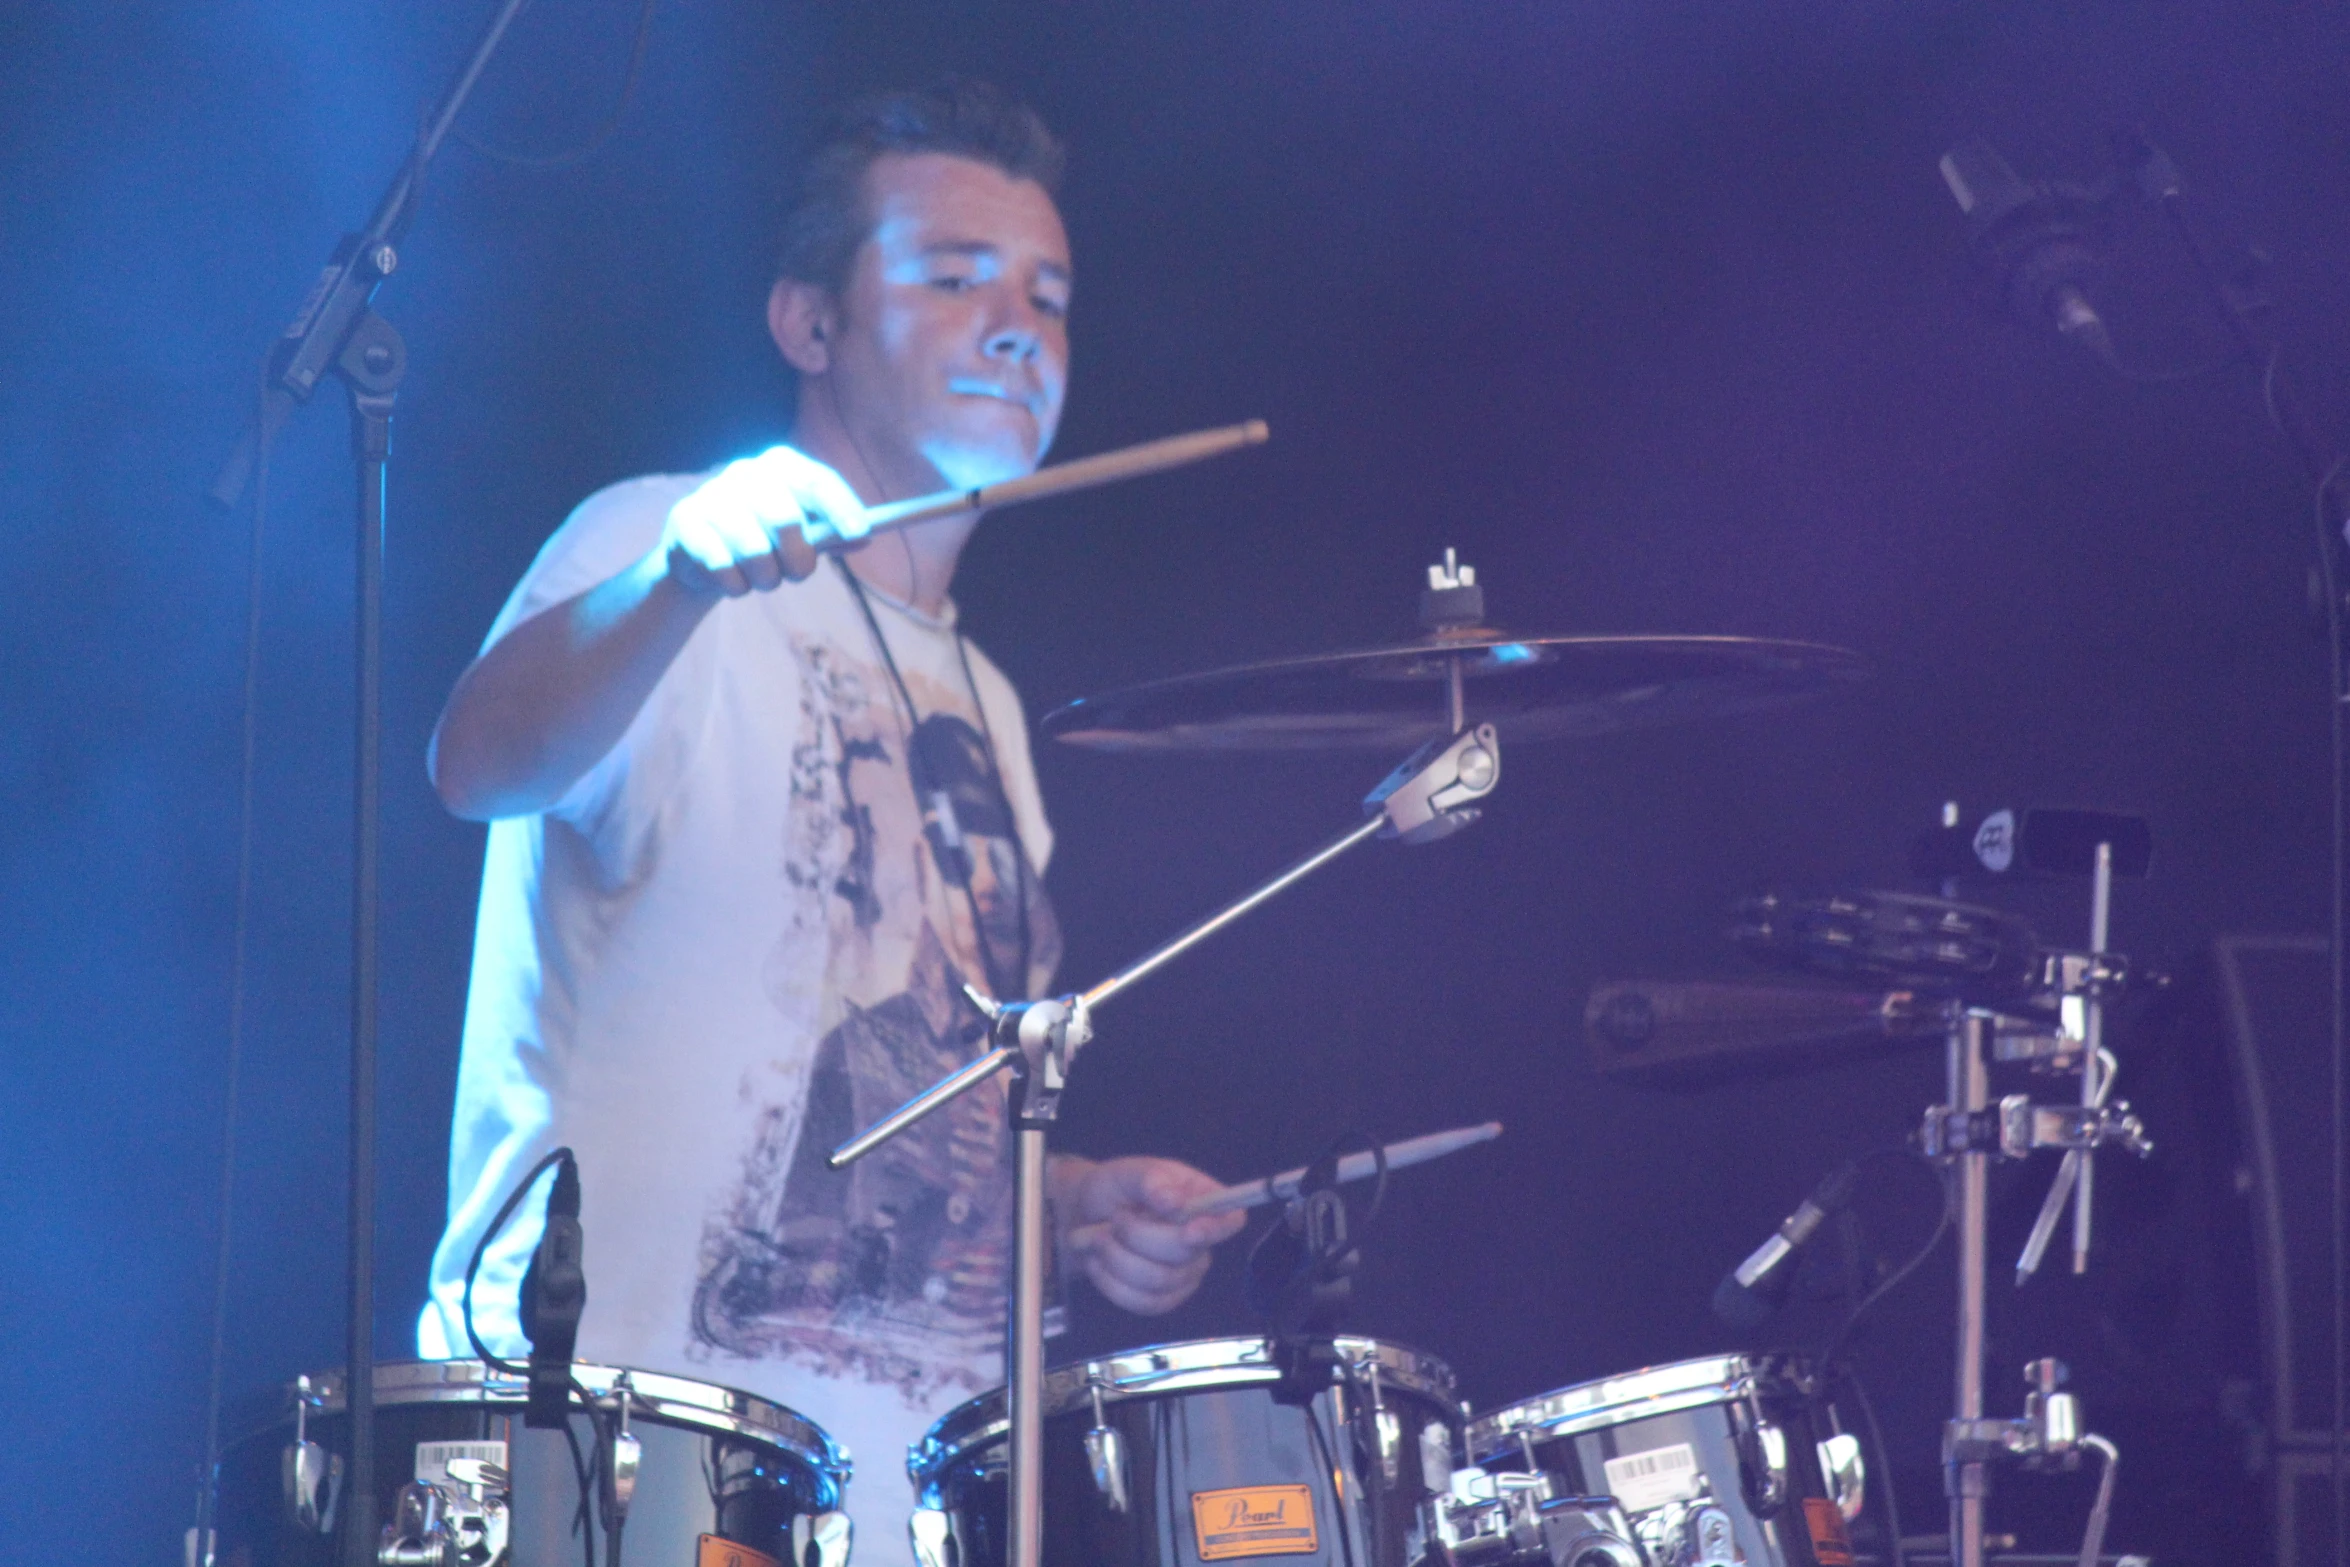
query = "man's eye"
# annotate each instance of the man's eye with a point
(951, 283)
(1045, 305)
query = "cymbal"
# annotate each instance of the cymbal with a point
(1392, 698)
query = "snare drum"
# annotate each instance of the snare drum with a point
(1716, 1462)
(1210, 1451)
(720, 1476)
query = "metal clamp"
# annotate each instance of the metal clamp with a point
(2018, 1127)
(466, 1522)
(2047, 1435)
(1434, 794)
(2025, 1126)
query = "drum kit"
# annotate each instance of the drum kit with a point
(1305, 1443)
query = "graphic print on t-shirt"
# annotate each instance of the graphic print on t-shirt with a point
(893, 1271)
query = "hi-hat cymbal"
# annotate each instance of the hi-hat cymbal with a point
(1391, 698)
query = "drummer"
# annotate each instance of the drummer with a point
(758, 812)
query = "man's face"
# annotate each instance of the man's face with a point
(951, 343)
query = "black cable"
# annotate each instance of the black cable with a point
(603, 133)
(1328, 1446)
(1003, 800)
(1880, 1456)
(1892, 1281)
(481, 1248)
(1018, 985)
(239, 948)
(582, 1524)
(601, 1473)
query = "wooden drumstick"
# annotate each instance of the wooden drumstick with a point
(1107, 468)
(1354, 1167)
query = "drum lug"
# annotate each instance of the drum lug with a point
(1105, 1453)
(1436, 1455)
(313, 1476)
(1386, 1428)
(628, 1454)
(314, 1483)
(1846, 1474)
(820, 1540)
(1763, 1468)
(932, 1535)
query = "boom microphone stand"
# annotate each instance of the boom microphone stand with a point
(336, 333)
(1430, 796)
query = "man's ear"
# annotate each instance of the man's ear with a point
(801, 319)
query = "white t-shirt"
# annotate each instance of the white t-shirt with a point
(728, 947)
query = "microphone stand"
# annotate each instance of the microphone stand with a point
(336, 333)
(1431, 795)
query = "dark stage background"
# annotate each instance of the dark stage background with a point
(1658, 311)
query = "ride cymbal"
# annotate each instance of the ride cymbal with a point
(1391, 698)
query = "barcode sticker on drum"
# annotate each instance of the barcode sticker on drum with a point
(1255, 1520)
(1651, 1479)
(432, 1458)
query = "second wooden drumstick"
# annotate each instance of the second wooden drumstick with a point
(1354, 1167)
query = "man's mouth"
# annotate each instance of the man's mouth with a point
(971, 386)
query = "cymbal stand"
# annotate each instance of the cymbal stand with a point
(1968, 1131)
(1433, 794)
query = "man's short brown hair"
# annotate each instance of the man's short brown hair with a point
(827, 222)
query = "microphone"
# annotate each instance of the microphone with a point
(1751, 1293)
(554, 1290)
(2039, 240)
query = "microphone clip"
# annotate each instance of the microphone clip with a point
(554, 1293)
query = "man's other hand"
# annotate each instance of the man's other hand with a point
(1121, 1221)
(758, 523)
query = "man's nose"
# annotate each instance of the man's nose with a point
(1017, 332)
(1013, 340)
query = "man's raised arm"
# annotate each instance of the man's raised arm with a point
(546, 701)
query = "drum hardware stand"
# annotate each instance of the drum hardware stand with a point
(1524, 1520)
(467, 1519)
(1432, 795)
(1970, 1132)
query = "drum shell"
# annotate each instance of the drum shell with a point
(1250, 1432)
(1722, 1411)
(702, 1472)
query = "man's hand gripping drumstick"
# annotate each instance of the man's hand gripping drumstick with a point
(1142, 1229)
(767, 519)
